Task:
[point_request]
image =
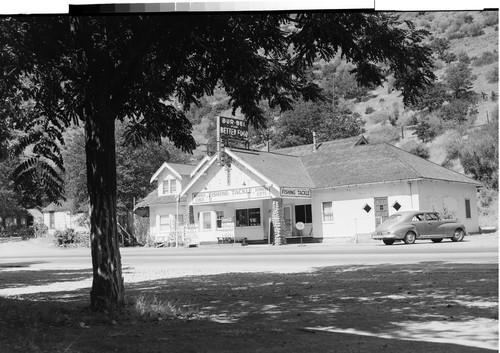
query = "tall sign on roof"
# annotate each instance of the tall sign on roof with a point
(230, 129)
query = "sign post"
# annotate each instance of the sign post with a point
(230, 129)
(300, 227)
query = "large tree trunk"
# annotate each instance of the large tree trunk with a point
(107, 292)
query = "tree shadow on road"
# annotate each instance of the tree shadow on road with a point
(454, 306)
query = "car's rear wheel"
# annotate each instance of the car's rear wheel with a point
(410, 238)
(458, 235)
(437, 240)
(388, 241)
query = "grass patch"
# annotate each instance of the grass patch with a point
(151, 308)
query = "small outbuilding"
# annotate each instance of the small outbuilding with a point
(61, 217)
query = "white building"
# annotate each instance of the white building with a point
(59, 217)
(336, 190)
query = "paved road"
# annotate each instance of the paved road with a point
(290, 258)
(145, 264)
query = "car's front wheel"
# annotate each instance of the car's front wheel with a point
(388, 241)
(437, 240)
(410, 238)
(458, 235)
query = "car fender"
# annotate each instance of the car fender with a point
(404, 229)
(448, 229)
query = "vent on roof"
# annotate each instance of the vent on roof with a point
(362, 141)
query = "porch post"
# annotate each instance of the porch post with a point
(278, 220)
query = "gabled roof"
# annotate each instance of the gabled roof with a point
(182, 169)
(179, 170)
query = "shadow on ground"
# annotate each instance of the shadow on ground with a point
(425, 307)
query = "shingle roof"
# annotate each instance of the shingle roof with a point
(284, 170)
(182, 169)
(154, 199)
(351, 162)
(344, 162)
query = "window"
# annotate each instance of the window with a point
(248, 218)
(169, 186)
(467, 209)
(431, 217)
(220, 215)
(206, 220)
(52, 220)
(164, 223)
(328, 211)
(418, 218)
(303, 213)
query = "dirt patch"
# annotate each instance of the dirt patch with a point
(425, 307)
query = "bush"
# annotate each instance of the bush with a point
(464, 58)
(26, 233)
(385, 133)
(70, 238)
(486, 58)
(490, 18)
(428, 128)
(379, 118)
(40, 230)
(493, 75)
(417, 148)
(448, 57)
(369, 110)
(473, 30)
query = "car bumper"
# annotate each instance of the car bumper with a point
(385, 236)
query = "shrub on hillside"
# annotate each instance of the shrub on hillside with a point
(448, 57)
(492, 75)
(490, 18)
(416, 148)
(379, 118)
(473, 30)
(486, 58)
(464, 58)
(428, 128)
(369, 110)
(385, 133)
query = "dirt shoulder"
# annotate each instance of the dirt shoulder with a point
(422, 307)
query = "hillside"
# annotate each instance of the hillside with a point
(472, 33)
(384, 102)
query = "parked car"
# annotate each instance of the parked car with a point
(409, 226)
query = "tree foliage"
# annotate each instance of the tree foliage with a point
(134, 167)
(460, 80)
(150, 69)
(479, 154)
(296, 127)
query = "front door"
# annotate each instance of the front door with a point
(381, 210)
(287, 215)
